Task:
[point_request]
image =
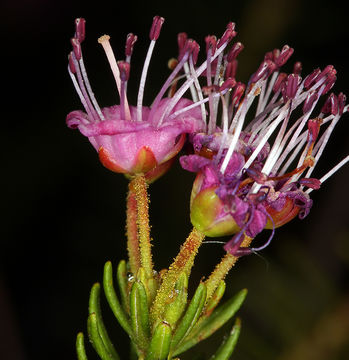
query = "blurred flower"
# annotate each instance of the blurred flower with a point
(131, 139)
(258, 176)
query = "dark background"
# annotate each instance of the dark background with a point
(63, 213)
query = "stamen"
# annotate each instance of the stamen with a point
(154, 34)
(130, 41)
(331, 172)
(80, 29)
(92, 112)
(179, 66)
(262, 139)
(104, 41)
(239, 120)
(225, 127)
(77, 88)
(89, 88)
(198, 89)
(326, 137)
(186, 85)
(124, 68)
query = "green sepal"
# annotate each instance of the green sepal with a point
(190, 316)
(113, 300)
(95, 308)
(160, 343)
(121, 275)
(212, 323)
(174, 310)
(80, 347)
(96, 340)
(139, 314)
(226, 349)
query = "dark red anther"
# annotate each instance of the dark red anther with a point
(313, 129)
(275, 54)
(80, 29)
(228, 35)
(279, 81)
(297, 68)
(195, 51)
(211, 43)
(130, 41)
(328, 71)
(341, 103)
(235, 51)
(71, 63)
(310, 80)
(231, 68)
(227, 84)
(238, 92)
(156, 27)
(311, 183)
(334, 104)
(331, 79)
(264, 70)
(285, 54)
(187, 49)
(292, 85)
(269, 56)
(181, 40)
(124, 68)
(330, 101)
(309, 101)
(76, 48)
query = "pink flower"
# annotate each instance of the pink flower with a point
(131, 139)
(246, 178)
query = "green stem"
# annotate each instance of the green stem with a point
(132, 233)
(138, 186)
(222, 269)
(182, 263)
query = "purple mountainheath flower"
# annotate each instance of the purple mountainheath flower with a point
(257, 175)
(132, 139)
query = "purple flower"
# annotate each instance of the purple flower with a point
(257, 175)
(132, 139)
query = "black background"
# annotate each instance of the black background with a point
(63, 213)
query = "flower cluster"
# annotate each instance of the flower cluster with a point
(257, 175)
(250, 176)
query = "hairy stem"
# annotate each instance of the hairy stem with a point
(222, 269)
(132, 232)
(138, 186)
(182, 263)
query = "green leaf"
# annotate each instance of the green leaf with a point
(139, 314)
(160, 343)
(190, 317)
(94, 307)
(226, 349)
(96, 340)
(215, 299)
(113, 300)
(211, 324)
(174, 310)
(80, 347)
(121, 276)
